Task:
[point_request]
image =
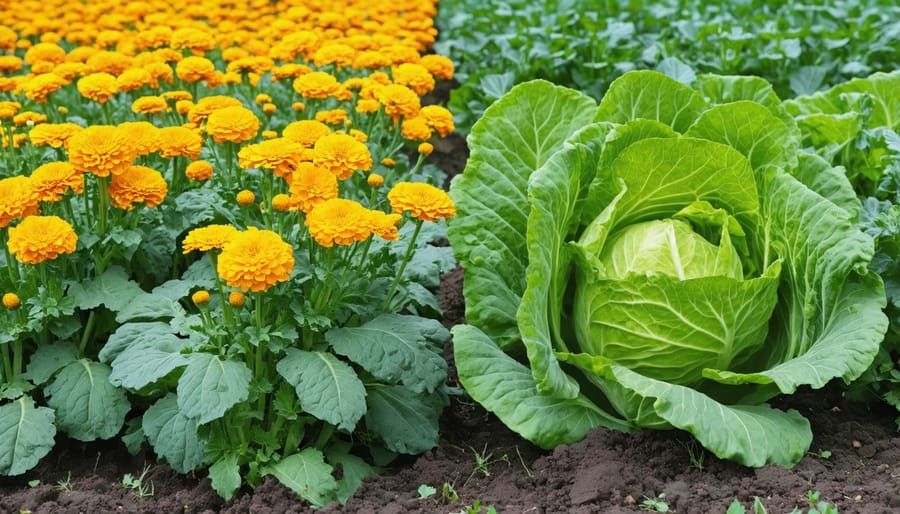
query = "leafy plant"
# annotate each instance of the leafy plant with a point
(138, 484)
(657, 504)
(737, 508)
(816, 506)
(665, 259)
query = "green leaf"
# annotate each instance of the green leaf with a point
(653, 96)
(307, 474)
(173, 435)
(210, 386)
(149, 306)
(327, 387)
(48, 359)
(113, 289)
(505, 387)
(26, 435)
(353, 471)
(516, 136)
(407, 422)
(395, 348)
(225, 475)
(831, 182)
(142, 353)
(677, 69)
(87, 405)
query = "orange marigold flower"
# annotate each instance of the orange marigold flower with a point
(199, 170)
(332, 116)
(438, 65)
(208, 237)
(255, 260)
(149, 105)
(281, 202)
(245, 197)
(358, 135)
(200, 297)
(159, 71)
(54, 179)
(312, 185)
(205, 106)
(133, 79)
(10, 300)
(192, 38)
(385, 225)
(41, 238)
(194, 69)
(55, 135)
(29, 117)
(98, 87)
(234, 124)
(236, 299)
(398, 101)
(10, 63)
(180, 141)
(371, 59)
(289, 71)
(137, 184)
(439, 119)
(339, 221)
(416, 129)
(342, 155)
(18, 198)
(234, 53)
(305, 132)
(334, 53)
(316, 84)
(9, 109)
(41, 86)
(101, 150)
(69, 70)
(367, 105)
(144, 136)
(279, 155)
(174, 96)
(183, 107)
(45, 52)
(413, 76)
(424, 201)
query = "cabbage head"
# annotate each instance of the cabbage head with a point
(667, 258)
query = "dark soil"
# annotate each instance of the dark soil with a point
(607, 472)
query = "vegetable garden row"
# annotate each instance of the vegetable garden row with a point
(224, 242)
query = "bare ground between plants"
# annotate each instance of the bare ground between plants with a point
(608, 472)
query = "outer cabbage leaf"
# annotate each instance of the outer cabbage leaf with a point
(653, 96)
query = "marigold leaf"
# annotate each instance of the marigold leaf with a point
(87, 405)
(210, 386)
(307, 474)
(174, 435)
(407, 422)
(26, 435)
(327, 387)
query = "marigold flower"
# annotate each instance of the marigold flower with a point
(342, 154)
(10, 300)
(255, 260)
(385, 225)
(268, 134)
(180, 141)
(174, 96)
(305, 132)
(234, 124)
(334, 53)
(339, 221)
(143, 136)
(133, 79)
(41, 86)
(332, 116)
(53, 180)
(425, 148)
(371, 59)
(415, 129)
(192, 38)
(375, 180)
(113, 63)
(208, 237)
(245, 197)
(234, 53)
(9, 109)
(269, 108)
(10, 64)
(149, 105)
(438, 65)
(289, 70)
(312, 185)
(199, 170)
(55, 135)
(29, 118)
(98, 87)
(424, 201)
(439, 118)
(137, 184)
(41, 238)
(194, 69)
(281, 202)
(236, 299)
(207, 105)
(316, 84)
(200, 297)
(279, 155)
(262, 98)
(183, 107)
(367, 105)
(101, 150)
(18, 199)
(69, 70)
(413, 76)
(398, 101)
(45, 52)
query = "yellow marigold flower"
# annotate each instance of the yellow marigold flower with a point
(305, 132)
(398, 101)
(234, 53)
(312, 185)
(17, 139)
(253, 64)
(413, 76)
(192, 38)
(416, 129)
(98, 87)
(424, 201)
(180, 141)
(133, 79)
(439, 118)
(54, 179)
(101, 150)
(279, 155)
(18, 198)
(375, 180)
(9, 109)
(208, 237)
(200, 297)
(205, 106)
(367, 105)
(113, 63)
(281, 202)
(268, 134)
(255, 260)
(358, 135)
(55, 135)
(236, 299)
(199, 170)
(174, 96)
(425, 148)
(137, 184)
(29, 117)
(41, 86)
(183, 107)
(41, 238)
(400, 53)
(388, 162)
(69, 70)
(289, 71)
(316, 84)
(194, 69)
(339, 221)
(160, 72)
(371, 59)
(149, 105)
(10, 300)
(10, 64)
(342, 155)
(234, 124)
(245, 197)
(332, 116)
(45, 52)
(298, 106)
(385, 225)
(269, 108)
(143, 135)
(334, 53)
(438, 65)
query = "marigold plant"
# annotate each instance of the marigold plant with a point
(255, 260)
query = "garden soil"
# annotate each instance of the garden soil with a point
(854, 464)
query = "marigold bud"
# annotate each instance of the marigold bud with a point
(10, 300)
(62, 109)
(298, 106)
(269, 134)
(388, 162)
(245, 197)
(426, 148)
(200, 297)
(269, 108)
(236, 298)
(281, 202)
(375, 180)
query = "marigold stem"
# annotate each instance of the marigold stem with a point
(409, 251)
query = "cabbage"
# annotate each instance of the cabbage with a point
(669, 258)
